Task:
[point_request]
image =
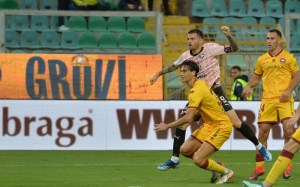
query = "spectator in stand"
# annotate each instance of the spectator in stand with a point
(133, 5)
(240, 82)
(87, 4)
(166, 6)
(62, 5)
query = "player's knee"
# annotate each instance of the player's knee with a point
(199, 161)
(289, 132)
(185, 151)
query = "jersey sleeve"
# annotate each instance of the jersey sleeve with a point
(258, 68)
(180, 59)
(217, 49)
(294, 65)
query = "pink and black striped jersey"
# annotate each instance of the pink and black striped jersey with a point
(207, 60)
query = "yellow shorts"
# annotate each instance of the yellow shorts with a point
(269, 112)
(296, 135)
(215, 134)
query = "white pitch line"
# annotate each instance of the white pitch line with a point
(88, 165)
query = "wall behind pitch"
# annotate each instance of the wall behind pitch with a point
(76, 77)
(106, 125)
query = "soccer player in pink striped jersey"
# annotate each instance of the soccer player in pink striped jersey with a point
(205, 55)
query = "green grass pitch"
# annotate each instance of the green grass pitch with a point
(122, 169)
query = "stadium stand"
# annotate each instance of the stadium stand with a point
(295, 45)
(48, 5)
(116, 24)
(50, 40)
(231, 22)
(135, 24)
(97, 24)
(69, 40)
(297, 26)
(39, 23)
(19, 23)
(127, 40)
(267, 23)
(256, 8)
(200, 8)
(9, 4)
(211, 25)
(11, 39)
(274, 8)
(174, 80)
(291, 6)
(250, 25)
(218, 8)
(29, 4)
(29, 39)
(87, 40)
(237, 8)
(108, 42)
(146, 42)
(77, 23)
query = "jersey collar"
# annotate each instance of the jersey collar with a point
(197, 53)
(276, 54)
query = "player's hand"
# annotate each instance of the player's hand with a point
(153, 79)
(225, 30)
(285, 96)
(160, 127)
(246, 92)
(293, 120)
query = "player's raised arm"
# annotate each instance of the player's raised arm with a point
(165, 70)
(233, 45)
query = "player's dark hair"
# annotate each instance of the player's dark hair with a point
(277, 32)
(196, 31)
(192, 66)
(236, 67)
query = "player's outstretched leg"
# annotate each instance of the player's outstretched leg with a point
(265, 153)
(179, 139)
(287, 172)
(167, 165)
(215, 175)
(242, 127)
(225, 177)
(258, 171)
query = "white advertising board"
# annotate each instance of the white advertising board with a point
(106, 125)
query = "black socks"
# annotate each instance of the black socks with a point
(179, 138)
(248, 133)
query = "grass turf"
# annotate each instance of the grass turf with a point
(122, 169)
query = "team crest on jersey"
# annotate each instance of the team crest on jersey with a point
(191, 91)
(201, 56)
(282, 60)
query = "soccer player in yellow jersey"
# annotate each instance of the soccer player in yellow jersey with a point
(217, 127)
(279, 72)
(285, 158)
